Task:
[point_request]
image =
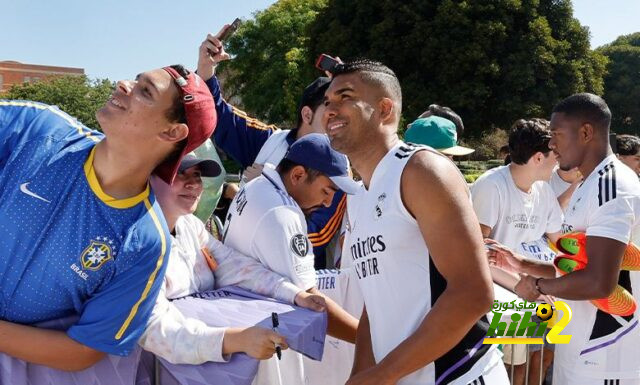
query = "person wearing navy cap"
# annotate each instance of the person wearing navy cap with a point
(266, 221)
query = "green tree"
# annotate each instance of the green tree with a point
(492, 61)
(78, 96)
(622, 83)
(269, 67)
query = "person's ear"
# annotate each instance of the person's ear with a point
(387, 110)
(306, 114)
(297, 175)
(175, 133)
(586, 133)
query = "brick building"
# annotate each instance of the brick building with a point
(13, 72)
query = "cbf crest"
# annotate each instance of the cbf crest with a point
(97, 253)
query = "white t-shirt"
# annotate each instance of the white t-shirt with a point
(516, 218)
(265, 223)
(558, 185)
(183, 340)
(606, 204)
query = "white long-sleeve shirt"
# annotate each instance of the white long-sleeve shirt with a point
(183, 340)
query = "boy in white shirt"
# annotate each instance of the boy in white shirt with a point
(517, 207)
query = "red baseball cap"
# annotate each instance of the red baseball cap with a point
(201, 117)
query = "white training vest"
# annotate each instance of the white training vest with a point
(397, 278)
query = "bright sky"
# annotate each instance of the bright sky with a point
(117, 39)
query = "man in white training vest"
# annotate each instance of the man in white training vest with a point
(266, 221)
(415, 243)
(606, 205)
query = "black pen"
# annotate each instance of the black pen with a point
(275, 323)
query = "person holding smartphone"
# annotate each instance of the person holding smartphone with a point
(254, 144)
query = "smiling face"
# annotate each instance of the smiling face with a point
(137, 110)
(182, 197)
(350, 117)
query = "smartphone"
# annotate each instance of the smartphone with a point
(230, 30)
(326, 63)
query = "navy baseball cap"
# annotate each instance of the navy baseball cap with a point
(208, 167)
(315, 152)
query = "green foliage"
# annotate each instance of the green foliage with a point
(488, 144)
(470, 178)
(492, 61)
(78, 96)
(270, 66)
(622, 83)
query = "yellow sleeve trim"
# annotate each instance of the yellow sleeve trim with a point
(252, 122)
(152, 277)
(72, 122)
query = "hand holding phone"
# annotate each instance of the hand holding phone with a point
(230, 30)
(327, 63)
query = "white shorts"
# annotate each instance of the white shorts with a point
(519, 353)
(562, 377)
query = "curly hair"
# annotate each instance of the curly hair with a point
(528, 137)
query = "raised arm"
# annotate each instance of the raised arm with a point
(237, 134)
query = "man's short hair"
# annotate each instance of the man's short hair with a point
(528, 137)
(376, 74)
(312, 97)
(287, 165)
(449, 114)
(587, 107)
(176, 113)
(627, 145)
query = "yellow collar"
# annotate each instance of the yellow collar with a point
(126, 203)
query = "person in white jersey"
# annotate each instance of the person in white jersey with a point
(515, 203)
(517, 207)
(199, 262)
(603, 347)
(266, 221)
(424, 293)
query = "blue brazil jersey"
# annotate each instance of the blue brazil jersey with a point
(66, 247)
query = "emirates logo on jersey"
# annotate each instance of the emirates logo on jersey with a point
(300, 245)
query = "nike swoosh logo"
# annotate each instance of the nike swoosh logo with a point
(24, 189)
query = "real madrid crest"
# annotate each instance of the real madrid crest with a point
(378, 209)
(97, 253)
(300, 245)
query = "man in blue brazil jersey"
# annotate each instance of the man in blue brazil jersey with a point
(253, 143)
(81, 231)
